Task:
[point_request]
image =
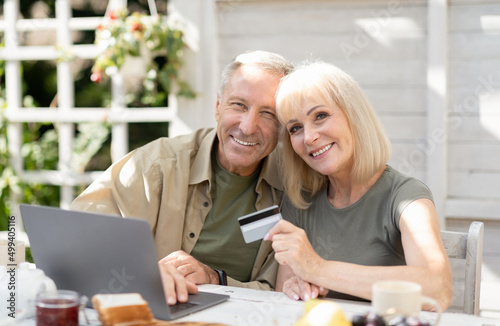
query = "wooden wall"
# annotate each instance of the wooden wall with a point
(384, 46)
(474, 110)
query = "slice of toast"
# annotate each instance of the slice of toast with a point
(123, 309)
(130, 309)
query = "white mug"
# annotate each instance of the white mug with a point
(391, 298)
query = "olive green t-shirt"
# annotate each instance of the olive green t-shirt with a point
(366, 232)
(221, 244)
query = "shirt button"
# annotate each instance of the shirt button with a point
(191, 235)
(205, 204)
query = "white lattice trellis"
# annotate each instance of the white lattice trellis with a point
(66, 115)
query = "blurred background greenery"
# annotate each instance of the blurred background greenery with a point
(39, 84)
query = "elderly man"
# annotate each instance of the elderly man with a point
(192, 188)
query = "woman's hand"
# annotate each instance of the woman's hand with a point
(298, 289)
(292, 248)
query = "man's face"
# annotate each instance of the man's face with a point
(247, 126)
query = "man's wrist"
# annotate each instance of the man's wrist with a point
(222, 276)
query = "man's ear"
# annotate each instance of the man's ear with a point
(217, 108)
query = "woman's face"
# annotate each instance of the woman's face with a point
(321, 136)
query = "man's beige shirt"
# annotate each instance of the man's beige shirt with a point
(168, 182)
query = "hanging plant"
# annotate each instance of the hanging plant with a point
(156, 43)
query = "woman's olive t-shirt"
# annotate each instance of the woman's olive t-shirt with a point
(366, 232)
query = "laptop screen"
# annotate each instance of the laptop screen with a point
(96, 253)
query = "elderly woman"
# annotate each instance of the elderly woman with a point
(353, 220)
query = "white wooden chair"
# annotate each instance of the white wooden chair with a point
(465, 249)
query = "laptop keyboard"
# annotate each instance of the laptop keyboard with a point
(181, 306)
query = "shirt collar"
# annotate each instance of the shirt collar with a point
(202, 168)
(270, 172)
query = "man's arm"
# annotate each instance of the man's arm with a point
(111, 193)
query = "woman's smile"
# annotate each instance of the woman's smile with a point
(321, 151)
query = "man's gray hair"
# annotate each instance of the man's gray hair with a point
(273, 63)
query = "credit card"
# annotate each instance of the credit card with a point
(254, 226)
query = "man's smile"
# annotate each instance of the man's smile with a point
(239, 141)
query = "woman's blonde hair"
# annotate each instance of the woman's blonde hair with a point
(328, 83)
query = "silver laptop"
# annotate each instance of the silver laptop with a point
(95, 253)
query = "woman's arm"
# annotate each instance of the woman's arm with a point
(423, 247)
(427, 263)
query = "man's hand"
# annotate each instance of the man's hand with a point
(181, 272)
(175, 286)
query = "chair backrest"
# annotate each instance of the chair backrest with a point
(465, 248)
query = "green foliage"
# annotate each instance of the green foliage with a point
(37, 152)
(2, 63)
(8, 181)
(40, 152)
(157, 40)
(91, 137)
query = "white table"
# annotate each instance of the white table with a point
(263, 308)
(251, 307)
